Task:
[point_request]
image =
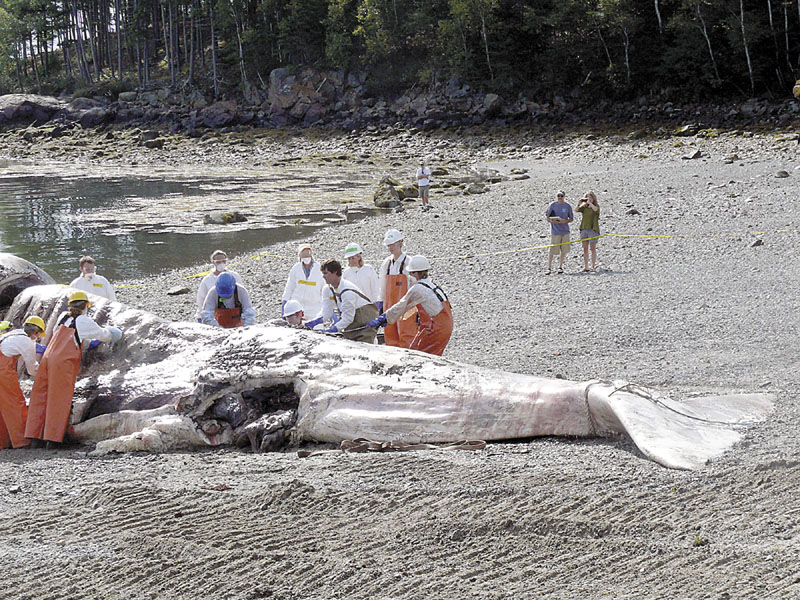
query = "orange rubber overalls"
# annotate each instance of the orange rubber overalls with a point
(434, 333)
(403, 331)
(229, 317)
(54, 386)
(13, 411)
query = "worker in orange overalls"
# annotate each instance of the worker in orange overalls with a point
(13, 412)
(54, 386)
(394, 283)
(433, 307)
(228, 304)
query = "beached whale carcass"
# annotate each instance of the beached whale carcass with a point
(16, 274)
(168, 385)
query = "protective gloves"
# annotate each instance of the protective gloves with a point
(283, 305)
(332, 330)
(312, 324)
(94, 344)
(379, 322)
(40, 348)
(116, 334)
(379, 304)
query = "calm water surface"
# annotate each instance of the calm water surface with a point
(137, 222)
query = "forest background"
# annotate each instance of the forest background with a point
(698, 50)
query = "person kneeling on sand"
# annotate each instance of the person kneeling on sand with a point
(435, 315)
(219, 265)
(13, 412)
(355, 308)
(228, 304)
(51, 396)
(293, 313)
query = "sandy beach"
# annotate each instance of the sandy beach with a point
(696, 293)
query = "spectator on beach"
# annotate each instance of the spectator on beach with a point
(394, 283)
(13, 412)
(559, 215)
(305, 282)
(219, 265)
(364, 276)
(92, 283)
(228, 304)
(590, 228)
(433, 308)
(351, 303)
(424, 184)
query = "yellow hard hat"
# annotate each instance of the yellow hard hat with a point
(35, 321)
(78, 296)
(5, 326)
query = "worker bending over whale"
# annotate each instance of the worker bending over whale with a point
(344, 296)
(228, 304)
(54, 386)
(13, 412)
(435, 316)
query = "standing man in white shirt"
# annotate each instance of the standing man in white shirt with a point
(219, 265)
(305, 282)
(424, 184)
(91, 282)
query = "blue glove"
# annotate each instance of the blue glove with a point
(379, 322)
(335, 318)
(94, 344)
(283, 305)
(312, 324)
(199, 320)
(332, 330)
(116, 334)
(379, 304)
(40, 348)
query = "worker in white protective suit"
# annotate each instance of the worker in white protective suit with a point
(304, 283)
(351, 303)
(364, 276)
(92, 283)
(219, 265)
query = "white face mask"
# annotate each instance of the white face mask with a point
(220, 267)
(306, 261)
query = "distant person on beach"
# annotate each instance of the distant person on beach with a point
(590, 228)
(344, 297)
(92, 283)
(559, 215)
(54, 386)
(424, 184)
(394, 283)
(364, 276)
(19, 343)
(432, 306)
(219, 265)
(304, 283)
(228, 304)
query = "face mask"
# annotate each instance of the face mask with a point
(306, 261)
(220, 267)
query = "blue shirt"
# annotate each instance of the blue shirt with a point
(564, 211)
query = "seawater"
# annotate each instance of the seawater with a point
(140, 221)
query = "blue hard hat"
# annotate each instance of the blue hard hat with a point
(226, 283)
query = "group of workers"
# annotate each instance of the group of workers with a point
(354, 302)
(46, 419)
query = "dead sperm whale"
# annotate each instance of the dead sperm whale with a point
(16, 274)
(169, 385)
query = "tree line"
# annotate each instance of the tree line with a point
(698, 49)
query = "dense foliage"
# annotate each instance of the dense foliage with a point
(608, 48)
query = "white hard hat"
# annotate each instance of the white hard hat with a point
(301, 247)
(292, 307)
(391, 237)
(418, 263)
(352, 249)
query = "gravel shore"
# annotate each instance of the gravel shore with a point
(696, 294)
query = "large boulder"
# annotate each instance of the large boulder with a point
(492, 105)
(95, 116)
(219, 114)
(224, 218)
(28, 108)
(387, 196)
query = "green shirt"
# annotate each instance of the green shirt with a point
(589, 218)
